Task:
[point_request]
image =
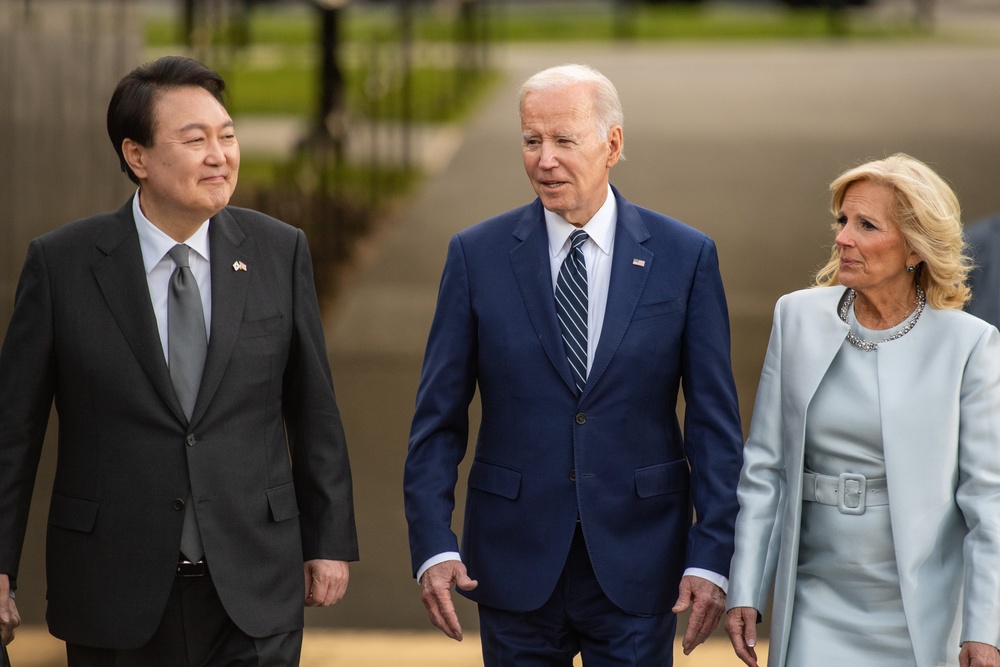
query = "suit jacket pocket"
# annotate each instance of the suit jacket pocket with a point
(73, 513)
(282, 502)
(258, 328)
(662, 478)
(647, 310)
(495, 479)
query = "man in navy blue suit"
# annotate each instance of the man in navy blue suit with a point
(579, 317)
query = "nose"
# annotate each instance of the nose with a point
(844, 237)
(547, 156)
(216, 153)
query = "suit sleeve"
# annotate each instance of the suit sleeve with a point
(761, 486)
(27, 372)
(978, 493)
(713, 436)
(440, 431)
(320, 464)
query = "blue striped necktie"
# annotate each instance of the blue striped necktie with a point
(571, 307)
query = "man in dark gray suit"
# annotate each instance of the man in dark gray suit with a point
(203, 491)
(984, 279)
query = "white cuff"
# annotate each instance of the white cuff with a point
(714, 577)
(434, 560)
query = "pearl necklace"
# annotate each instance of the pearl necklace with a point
(872, 346)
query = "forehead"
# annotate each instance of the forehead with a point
(873, 198)
(567, 107)
(178, 107)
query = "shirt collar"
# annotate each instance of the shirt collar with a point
(600, 228)
(155, 244)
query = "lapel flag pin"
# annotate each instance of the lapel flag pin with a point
(239, 266)
(638, 262)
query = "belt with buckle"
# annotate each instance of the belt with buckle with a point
(849, 492)
(186, 568)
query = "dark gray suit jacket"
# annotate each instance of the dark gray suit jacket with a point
(984, 245)
(264, 454)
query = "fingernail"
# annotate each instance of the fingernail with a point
(751, 643)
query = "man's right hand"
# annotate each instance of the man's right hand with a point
(9, 618)
(435, 592)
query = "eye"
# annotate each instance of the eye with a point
(867, 225)
(840, 221)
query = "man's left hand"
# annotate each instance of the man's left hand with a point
(707, 603)
(326, 582)
(976, 654)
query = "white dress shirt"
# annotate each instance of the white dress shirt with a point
(155, 246)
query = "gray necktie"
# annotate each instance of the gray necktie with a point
(187, 345)
(571, 307)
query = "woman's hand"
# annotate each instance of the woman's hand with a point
(741, 625)
(976, 654)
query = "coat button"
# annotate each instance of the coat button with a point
(581, 418)
(178, 504)
(190, 440)
(572, 476)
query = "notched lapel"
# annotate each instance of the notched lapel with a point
(121, 275)
(628, 280)
(229, 291)
(530, 263)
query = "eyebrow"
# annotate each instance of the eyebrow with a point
(202, 126)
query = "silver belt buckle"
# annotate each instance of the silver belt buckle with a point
(851, 493)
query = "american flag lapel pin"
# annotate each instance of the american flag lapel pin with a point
(239, 266)
(638, 262)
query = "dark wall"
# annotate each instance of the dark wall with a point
(59, 63)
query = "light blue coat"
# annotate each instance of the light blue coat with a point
(939, 395)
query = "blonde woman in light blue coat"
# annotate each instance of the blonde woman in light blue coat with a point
(870, 491)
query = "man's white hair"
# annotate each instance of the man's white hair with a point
(607, 105)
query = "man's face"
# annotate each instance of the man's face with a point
(565, 159)
(190, 171)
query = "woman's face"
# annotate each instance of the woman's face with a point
(873, 252)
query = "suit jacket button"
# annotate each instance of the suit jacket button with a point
(581, 418)
(190, 440)
(178, 504)
(572, 476)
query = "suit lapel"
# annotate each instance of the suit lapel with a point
(628, 279)
(532, 270)
(121, 275)
(229, 291)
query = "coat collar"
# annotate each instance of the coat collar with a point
(531, 264)
(120, 273)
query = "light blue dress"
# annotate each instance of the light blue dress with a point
(848, 609)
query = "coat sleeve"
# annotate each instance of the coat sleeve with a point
(712, 432)
(439, 434)
(320, 465)
(762, 488)
(978, 493)
(27, 385)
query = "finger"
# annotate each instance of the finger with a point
(441, 612)
(694, 628)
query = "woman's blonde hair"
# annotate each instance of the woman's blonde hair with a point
(928, 215)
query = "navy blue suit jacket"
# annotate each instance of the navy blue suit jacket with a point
(984, 246)
(614, 456)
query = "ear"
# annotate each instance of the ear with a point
(135, 156)
(615, 142)
(913, 259)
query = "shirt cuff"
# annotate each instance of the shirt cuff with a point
(714, 577)
(434, 560)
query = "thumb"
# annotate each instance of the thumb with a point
(465, 582)
(683, 597)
